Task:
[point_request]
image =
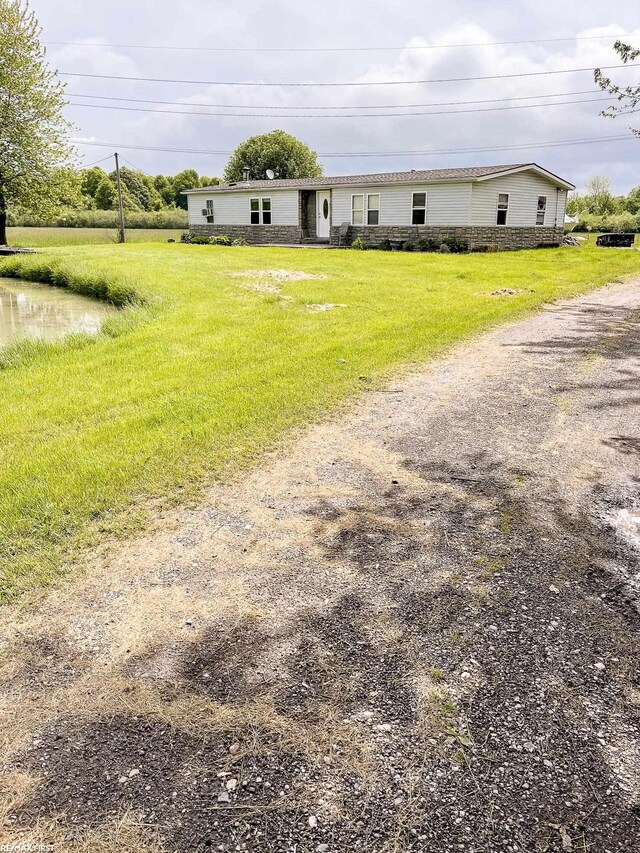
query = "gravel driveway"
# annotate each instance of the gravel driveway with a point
(416, 631)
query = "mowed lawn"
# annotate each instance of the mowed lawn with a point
(213, 368)
(36, 238)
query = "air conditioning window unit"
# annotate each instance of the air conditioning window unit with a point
(205, 211)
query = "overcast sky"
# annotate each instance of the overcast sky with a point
(404, 24)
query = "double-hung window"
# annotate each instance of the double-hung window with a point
(260, 211)
(542, 209)
(365, 209)
(503, 208)
(419, 209)
(373, 209)
(209, 209)
(357, 210)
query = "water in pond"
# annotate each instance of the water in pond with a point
(46, 313)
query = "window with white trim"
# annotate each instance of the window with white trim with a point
(357, 209)
(542, 209)
(209, 210)
(260, 211)
(503, 208)
(419, 209)
(373, 209)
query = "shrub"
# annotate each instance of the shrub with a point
(385, 246)
(455, 245)
(68, 218)
(428, 244)
(185, 237)
(408, 246)
(200, 240)
(444, 249)
(221, 240)
(486, 247)
(359, 244)
(239, 241)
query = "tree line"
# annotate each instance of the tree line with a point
(598, 209)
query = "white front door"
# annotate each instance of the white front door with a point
(323, 215)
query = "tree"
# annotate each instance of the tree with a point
(106, 194)
(628, 96)
(209, 182)
(632, 202)
(187, 180)
(33, 132)
(286, 155)
(598, 197)
(164, 186)
(91, 180)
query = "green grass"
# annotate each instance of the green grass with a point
(43, 237)
(198, 375)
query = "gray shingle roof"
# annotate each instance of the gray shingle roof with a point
(413, 176)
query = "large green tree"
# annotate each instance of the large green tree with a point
(279, 151)
(33, 132)
(628, 97)
(186, 180)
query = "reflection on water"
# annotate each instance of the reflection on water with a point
(46, 313)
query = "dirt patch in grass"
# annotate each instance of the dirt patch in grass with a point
(327, 306)
(510, 291)
(277, 275)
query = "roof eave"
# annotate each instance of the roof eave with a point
(330, 185)
(528, 167)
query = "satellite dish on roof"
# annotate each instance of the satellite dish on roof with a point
(271, 174)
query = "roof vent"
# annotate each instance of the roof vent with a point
(245, 173)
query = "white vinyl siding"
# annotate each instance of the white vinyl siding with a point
(524, 189)
(448, 204)
(234, 208)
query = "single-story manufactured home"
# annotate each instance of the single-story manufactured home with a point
(507, 207)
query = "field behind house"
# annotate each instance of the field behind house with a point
(44, 237)
(223, 352)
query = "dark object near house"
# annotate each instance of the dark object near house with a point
(344, 234)
(624, 241)
(10, 250)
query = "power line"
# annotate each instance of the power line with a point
(333, 85)
(331, 49)
(333, 107)
(528, 146)
(339, 115)
(136, 168)
(95, 163)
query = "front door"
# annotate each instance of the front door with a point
(323, 214)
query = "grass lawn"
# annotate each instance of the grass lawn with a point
(41, 237)
(210, 370)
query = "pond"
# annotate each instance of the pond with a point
(46, 313)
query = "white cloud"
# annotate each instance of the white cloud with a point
(255, 23)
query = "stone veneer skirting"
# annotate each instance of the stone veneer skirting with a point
(252, 233)
(477, 236)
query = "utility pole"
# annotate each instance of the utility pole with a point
(121, 237)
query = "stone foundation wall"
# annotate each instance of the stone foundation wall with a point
(476, 236)
(253, 234)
